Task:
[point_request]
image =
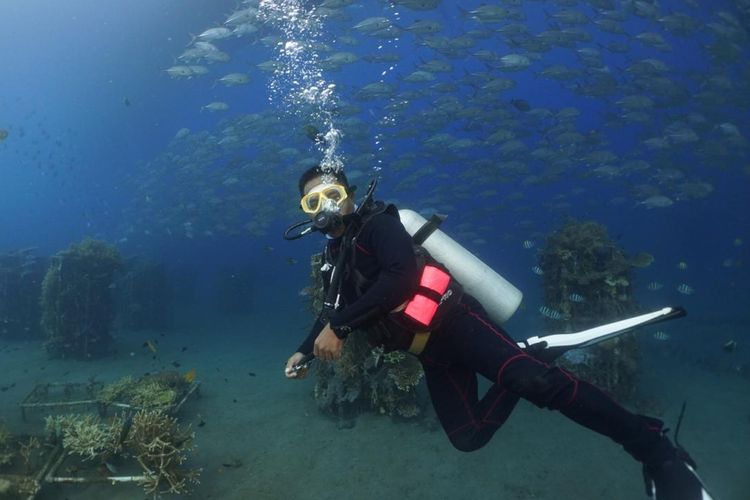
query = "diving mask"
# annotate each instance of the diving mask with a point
(323, 197)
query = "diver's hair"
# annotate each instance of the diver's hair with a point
(317, 171)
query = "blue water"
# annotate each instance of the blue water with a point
(91, 117)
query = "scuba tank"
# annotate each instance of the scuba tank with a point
(499, 297)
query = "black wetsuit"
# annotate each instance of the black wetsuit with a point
(467, 343)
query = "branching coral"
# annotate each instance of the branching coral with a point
(6, 452)
(153, 395)
(151, 437)
(18, 486)
(25, 450)
(153, 391)
(86, 435)
(161, 446)
(116, 391)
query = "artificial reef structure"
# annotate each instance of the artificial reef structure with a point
(20, 459)
(152, 438)
(21, 275)
(587, 282)
(77, 301)
(364, 378)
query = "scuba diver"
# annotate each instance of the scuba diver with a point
(379, 278)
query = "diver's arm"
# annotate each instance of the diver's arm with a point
(307, 345)
(388, 241)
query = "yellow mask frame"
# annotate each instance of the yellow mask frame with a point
(312, 202)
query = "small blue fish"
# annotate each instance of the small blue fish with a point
(685, 289)
(654, 286)
(576, 297)
(537, 270)
(528, 244)
(550, 313)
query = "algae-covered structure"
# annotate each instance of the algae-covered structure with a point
(587, 282)
(77, 302)
(364, 378)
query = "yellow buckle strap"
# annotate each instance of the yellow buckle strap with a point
(418, 342)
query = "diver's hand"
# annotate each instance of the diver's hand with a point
(295, 359)
(327, 345)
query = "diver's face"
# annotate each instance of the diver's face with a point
(346, 207)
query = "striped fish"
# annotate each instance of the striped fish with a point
(550, 313)
(576, 297)
(661, 336)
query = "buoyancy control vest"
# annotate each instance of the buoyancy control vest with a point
(437, 292)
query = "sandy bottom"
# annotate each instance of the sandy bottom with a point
(289, 450)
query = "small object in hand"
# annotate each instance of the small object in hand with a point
(301, 365)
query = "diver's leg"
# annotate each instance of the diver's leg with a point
(490, 351)
(469, 422)
(486, 348)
